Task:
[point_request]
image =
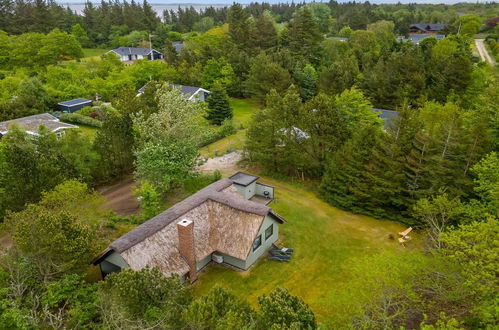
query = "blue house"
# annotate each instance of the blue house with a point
(74, 105)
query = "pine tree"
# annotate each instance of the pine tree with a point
(218, 105)
(307, 80)
(263, 32)
(238, 25)
(304, 36)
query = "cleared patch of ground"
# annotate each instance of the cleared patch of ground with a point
(225, 164)
(120, 197)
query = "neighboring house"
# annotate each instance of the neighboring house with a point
(31, 124)
(74, 105)
(193, 93)
(426, 28)
(178, 45)
(417, 38)
(338, 38)
(133, 53)
(293, 132)
(228, 222)
(388, 116)
(190, 92)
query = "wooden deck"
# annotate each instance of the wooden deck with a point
(261, 199)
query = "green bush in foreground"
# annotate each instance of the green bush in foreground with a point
(80, 119)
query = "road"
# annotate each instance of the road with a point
(480, 46)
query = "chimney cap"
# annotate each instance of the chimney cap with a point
(184, 222)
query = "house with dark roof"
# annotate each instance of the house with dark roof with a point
(416, 38)
(426, 28)
(389, 116)
(191, 92)
(228, 222)
(134, 53)
(31, 124)
(74, 105)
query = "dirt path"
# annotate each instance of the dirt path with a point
(480, 46)
(120, 197)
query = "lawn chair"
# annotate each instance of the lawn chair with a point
(277, 253)
(282, 258)
(283, 250)
(405, 232)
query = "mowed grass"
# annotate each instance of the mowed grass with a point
(325, 240)
(89, 131)
(93, 52)
(243, 111)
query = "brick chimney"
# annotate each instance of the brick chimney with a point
(186, 246)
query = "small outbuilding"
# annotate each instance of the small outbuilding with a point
(228, 222)
(74, 105)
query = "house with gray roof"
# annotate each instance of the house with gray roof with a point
(191, 92)
(389, 116)
(178, 45)
(417, 38)
(31, 124)
(228, 222)
(134, 53)
(426, 28)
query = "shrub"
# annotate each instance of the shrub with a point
(76, 118)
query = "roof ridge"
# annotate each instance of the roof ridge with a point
(211, 192)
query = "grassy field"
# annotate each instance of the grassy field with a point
(93, 52)
(243, 110)
(325, 240)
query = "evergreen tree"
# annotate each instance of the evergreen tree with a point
(304, 36)
(263, 32)
(239, 27)
(265, 75)
(307, 80)
(218, 105)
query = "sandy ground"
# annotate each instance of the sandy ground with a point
(480, 46)
(6, 242)
(225, 164)
(120, 197)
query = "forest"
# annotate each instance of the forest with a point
(320, 74)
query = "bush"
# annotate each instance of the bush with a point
(213, 134)
(76, 118)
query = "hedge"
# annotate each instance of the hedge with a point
(80, 119)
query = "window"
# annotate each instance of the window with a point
(257, 243)
(269, 231)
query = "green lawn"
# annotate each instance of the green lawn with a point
(87, 130)
(93, 52)
(243, 111)
(325, 240)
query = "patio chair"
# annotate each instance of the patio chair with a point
(277, 253)
(280, 258)
(283, 249)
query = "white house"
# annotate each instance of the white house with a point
(133, 53)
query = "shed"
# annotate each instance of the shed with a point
(74, 105)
